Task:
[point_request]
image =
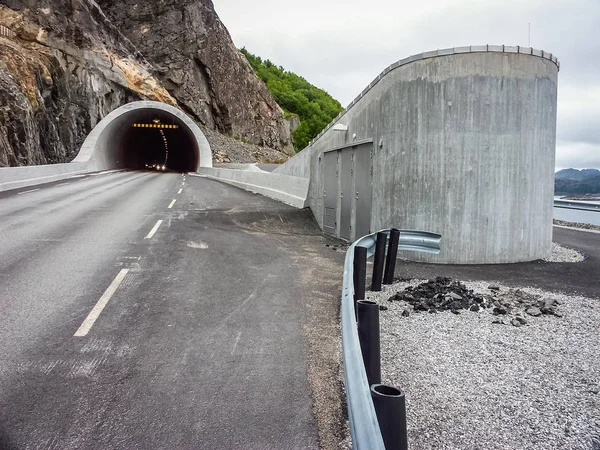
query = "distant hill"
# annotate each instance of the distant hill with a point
(315, 107)
(573, 181)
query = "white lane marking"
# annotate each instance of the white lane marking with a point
(95, 312)
(104, 172)
(198, 244)
(183, 184)
(171, 204)
(237, 339)
(62, 184)
(27, 192)
(153, 230)
(78, 176)
(179, 192)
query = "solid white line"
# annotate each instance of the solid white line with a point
(62, 184)
(26, 192)
(153, 230)
(179, 192)
(105, 172)
(171, 204)
(95, 312)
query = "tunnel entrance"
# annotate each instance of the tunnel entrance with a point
(146, 135)
(156, 140)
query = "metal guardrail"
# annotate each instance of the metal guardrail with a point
(575, 204)
(364, 427)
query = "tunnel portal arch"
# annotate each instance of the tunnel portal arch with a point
(142, 133)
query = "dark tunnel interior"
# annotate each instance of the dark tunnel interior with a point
(148, 139)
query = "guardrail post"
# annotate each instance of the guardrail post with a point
(368, 336)
(360, 274)
(390, 407)
(390, 262)
(378, 261)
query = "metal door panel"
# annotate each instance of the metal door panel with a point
(346, 174)
(330, 192)
(363, 176)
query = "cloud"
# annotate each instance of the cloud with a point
(342, 46)
(577, 156)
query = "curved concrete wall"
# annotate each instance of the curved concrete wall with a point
(99, 149)
(463, 144)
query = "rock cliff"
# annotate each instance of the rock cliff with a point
(65, 64)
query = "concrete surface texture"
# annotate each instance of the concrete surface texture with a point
(221, 334)
(461, 143)
(285, 188)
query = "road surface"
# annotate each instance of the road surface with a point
(146, 310)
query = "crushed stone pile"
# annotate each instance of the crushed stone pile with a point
(510, 306)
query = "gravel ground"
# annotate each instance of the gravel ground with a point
(564, 254)
(474, 384)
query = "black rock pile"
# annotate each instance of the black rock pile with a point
(443, 294)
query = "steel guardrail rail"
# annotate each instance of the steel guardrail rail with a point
(364, 427)
(575, 204)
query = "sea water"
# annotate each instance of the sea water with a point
(575, 215)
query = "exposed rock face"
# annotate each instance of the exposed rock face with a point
(64, 65)
(197, 62)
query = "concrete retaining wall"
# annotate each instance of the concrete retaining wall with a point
(298, 166)
(19, 177)
(285, 188)
(463, 144)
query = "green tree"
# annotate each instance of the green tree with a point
(315, 107)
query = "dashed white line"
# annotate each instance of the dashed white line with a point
(27, 192)
(183, 184)
(153, 230)
(62, 184)
(95, 312)
(179, 192)
(171, 204)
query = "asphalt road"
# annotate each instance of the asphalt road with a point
(120, 331)
(571, 278)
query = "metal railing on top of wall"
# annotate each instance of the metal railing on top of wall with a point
(7, 32)
(441, 52)
(364, 425)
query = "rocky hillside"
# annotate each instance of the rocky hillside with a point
(65, 64)
(573, 181)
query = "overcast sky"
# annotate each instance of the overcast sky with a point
(341, 46)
